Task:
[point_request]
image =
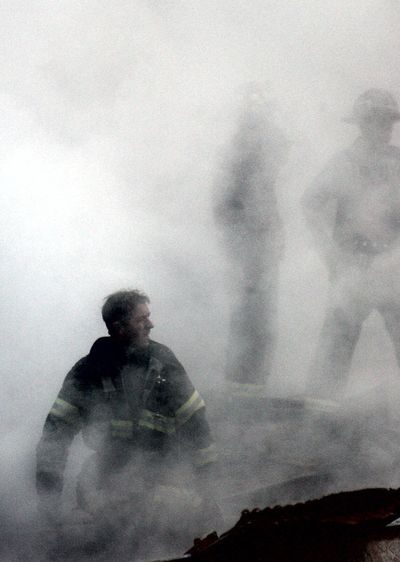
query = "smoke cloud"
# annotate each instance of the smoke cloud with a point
(112, 122)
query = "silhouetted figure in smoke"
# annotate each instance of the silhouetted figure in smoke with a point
(353, 210)
(146, 422)
(246, 211)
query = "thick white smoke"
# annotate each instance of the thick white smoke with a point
(112, 118)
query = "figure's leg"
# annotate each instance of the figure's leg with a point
(338, 339)
(391, 316)
(269, 321)
(247, 338)
(253, 320)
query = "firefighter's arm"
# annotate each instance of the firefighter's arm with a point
(186, 411)
(196, 436)
(320, 203)
(62, 423)
(191, 423)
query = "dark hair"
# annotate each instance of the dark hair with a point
(119, 306)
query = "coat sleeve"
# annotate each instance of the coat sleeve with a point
(320, 202)
(189, 411)
(62, 423)
(323, 189)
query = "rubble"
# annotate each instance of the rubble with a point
(354, 526)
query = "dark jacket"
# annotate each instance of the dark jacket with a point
(125, 401)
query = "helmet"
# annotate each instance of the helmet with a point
(374, 102)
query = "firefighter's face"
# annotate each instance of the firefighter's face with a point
(136, 331)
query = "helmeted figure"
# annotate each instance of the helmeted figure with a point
(141, 415)
(246, 212)
(353, 211)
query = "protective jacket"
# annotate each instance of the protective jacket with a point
(125, 401)
(363, 186)
(246, 201)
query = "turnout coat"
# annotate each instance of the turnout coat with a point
(126, 402)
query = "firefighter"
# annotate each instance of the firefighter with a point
(246, 212)
(353, 211)
(140, 414)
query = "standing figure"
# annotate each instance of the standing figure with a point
(353, 211)
(246, 211)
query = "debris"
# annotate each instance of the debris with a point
(347, 526)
